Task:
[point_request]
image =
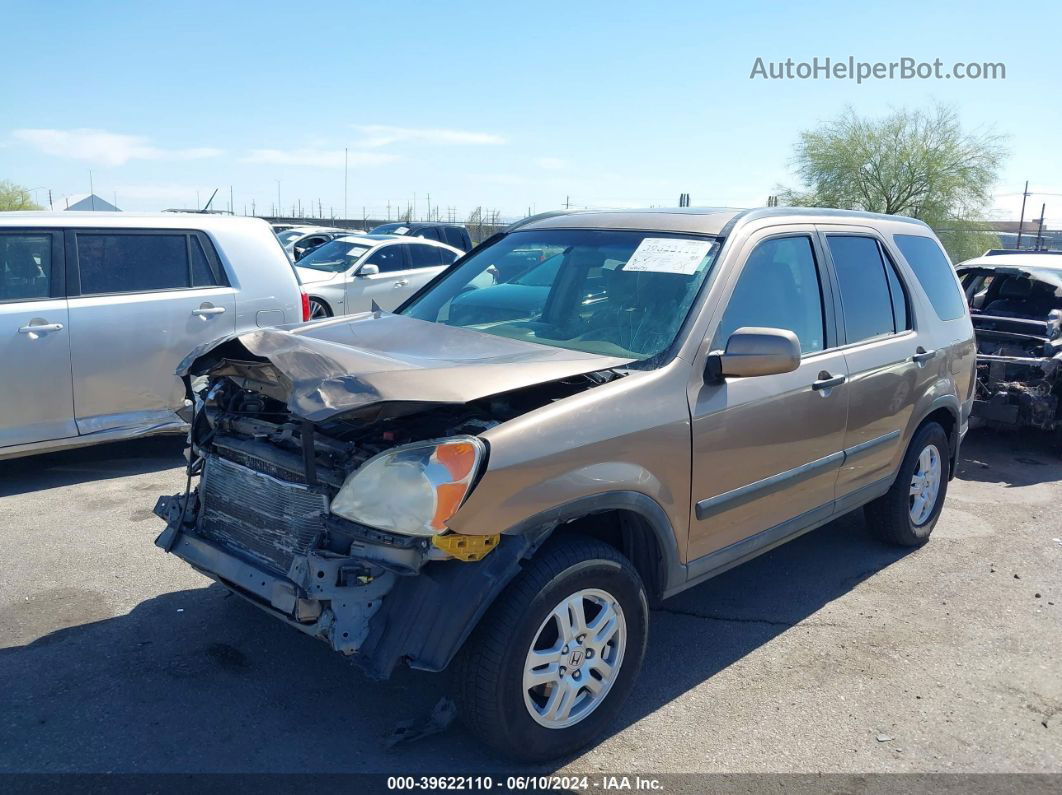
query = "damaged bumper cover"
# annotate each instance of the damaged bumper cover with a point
(379, 606)
(1017, 391)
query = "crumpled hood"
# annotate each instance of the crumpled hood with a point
(376, 365)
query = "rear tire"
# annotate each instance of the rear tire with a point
(540, 707)
(319, 309)
(907, 513)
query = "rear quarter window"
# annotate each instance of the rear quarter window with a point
(933, 271)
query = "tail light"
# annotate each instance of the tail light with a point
(305, 308)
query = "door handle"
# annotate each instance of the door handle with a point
(922, 355)
(402, 283)
(203, 311)
(827, 381)
(33, 329)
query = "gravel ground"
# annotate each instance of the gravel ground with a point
(833, 653)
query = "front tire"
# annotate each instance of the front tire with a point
(908, 512)
(552, 662)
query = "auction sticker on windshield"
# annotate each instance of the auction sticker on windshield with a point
(668, 255)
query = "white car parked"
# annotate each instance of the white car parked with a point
(98, 309)
(349, 273)
(298, 240)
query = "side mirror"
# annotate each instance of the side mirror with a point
(752, 351)
(368, 269)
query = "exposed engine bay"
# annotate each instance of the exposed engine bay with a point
(263, 519)
(1017, 319)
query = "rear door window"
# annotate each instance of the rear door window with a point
(425, 256)
(934, 272)
(132, 262)
(389, 258)
(206, 270)
(456, 237)
(866, 300)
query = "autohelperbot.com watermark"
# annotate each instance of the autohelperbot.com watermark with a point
(862, 71)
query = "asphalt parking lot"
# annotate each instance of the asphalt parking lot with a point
(831, 654)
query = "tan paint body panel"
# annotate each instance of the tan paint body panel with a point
(628, 435)
(721, 438)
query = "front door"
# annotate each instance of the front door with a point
(767, 449)
(36, 400)
(148, 298)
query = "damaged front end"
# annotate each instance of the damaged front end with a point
(270, 515)
(1019, 371)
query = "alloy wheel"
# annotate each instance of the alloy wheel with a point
(925, 485)
(574, 658)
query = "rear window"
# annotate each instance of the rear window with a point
(142, 262)
(934, 272)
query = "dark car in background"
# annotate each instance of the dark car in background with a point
(450, 234)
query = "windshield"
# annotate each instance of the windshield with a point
(612, 292)
(334, 256)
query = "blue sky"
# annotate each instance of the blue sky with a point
(508, 106)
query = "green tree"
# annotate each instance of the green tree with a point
(15, 197)
(918, 163)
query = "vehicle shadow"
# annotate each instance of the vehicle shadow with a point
(1011, 458)
(199, 680)
(85, 464)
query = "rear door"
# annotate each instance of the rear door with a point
(36, 398)
(140, 301)
(426, 262)
(887, 371)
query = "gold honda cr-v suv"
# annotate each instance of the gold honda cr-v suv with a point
(588, 412)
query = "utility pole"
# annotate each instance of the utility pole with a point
(1040, 234)
(1021, 221)
(50, 205)
(567, 202)
(232, 205)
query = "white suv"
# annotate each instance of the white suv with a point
(98, 309)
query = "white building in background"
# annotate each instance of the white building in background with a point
(83, 201)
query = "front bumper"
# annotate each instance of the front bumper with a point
(1017, 392)
(373, 607)
(328, 596)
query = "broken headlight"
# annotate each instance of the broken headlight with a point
(413, 489)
